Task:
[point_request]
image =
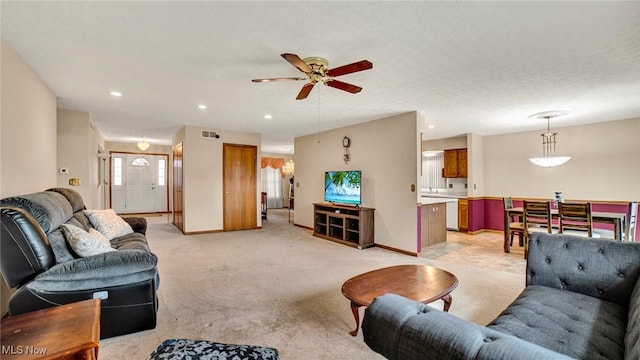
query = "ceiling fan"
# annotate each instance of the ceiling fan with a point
(317, 70)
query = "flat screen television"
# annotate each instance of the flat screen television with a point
(342, 187)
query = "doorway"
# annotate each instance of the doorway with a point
(139, 183)
(239, 187)
(178, 217)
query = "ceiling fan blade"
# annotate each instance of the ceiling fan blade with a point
(278, 79)
(304, 92)
(350, 68)
(343, 86)
(297, 62)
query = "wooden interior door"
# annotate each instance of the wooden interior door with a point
(178, 218)
(239, 186)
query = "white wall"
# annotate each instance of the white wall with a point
(78, 144)
(388, 153)
(604, 164)
(27, 135)
(475, 165)
(28, 144)
(202, 176)
(457, 142)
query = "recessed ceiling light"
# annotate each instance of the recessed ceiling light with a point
(268, 116)
(202, 107)
(431, 126)
(116, 93)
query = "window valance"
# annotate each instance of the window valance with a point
(276, 163)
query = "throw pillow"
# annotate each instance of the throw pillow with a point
(201, 350)
(83, 243)
(108, 223)
(98, 235)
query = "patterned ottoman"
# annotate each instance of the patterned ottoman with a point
(185, 349)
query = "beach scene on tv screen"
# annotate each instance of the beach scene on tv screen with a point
(342, 187)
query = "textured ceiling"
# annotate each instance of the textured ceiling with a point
(479, 67)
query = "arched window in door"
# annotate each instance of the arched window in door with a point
(140, 162)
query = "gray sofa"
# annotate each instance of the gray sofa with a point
(582, 301)
(37, 261)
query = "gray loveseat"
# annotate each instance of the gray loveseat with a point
(37, 261)
(582, 301)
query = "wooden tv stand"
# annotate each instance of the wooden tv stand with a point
(344, 224)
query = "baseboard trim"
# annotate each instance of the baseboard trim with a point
(476, 232)
(302, 226)
(494, 231)
(405, 252)
(202, 232)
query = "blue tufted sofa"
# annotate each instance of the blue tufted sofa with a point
(581, 301)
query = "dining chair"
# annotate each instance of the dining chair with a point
(537, 218)
(575, 219)
(631, 222)
(516, 226)
(629, 227)
(263, 205)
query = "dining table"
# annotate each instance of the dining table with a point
(601, 217)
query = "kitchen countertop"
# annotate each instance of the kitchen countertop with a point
(444, 195)
(436, 200)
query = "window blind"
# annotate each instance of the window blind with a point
(432, 165)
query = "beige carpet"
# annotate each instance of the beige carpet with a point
(280, 287)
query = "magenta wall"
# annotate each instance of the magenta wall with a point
(477, 218)
(419, 236)
(489, 214)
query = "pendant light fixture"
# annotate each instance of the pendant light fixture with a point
(288, 168)
(142, 145)
(549, 158)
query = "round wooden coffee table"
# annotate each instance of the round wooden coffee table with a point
(417, 282)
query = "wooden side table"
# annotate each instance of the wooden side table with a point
(69, 331)
(422, 283)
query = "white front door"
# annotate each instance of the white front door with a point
(139, 183)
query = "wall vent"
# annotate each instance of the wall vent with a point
(210, 134)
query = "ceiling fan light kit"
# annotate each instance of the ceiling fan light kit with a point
(317, 70)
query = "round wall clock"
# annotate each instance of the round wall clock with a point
(346, 142)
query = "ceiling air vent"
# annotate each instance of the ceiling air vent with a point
(210, 134)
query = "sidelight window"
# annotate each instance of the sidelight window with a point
(162, 172)
(117, 171)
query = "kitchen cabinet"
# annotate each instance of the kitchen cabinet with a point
(433, 223)
(463, 214)
(455, 163)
